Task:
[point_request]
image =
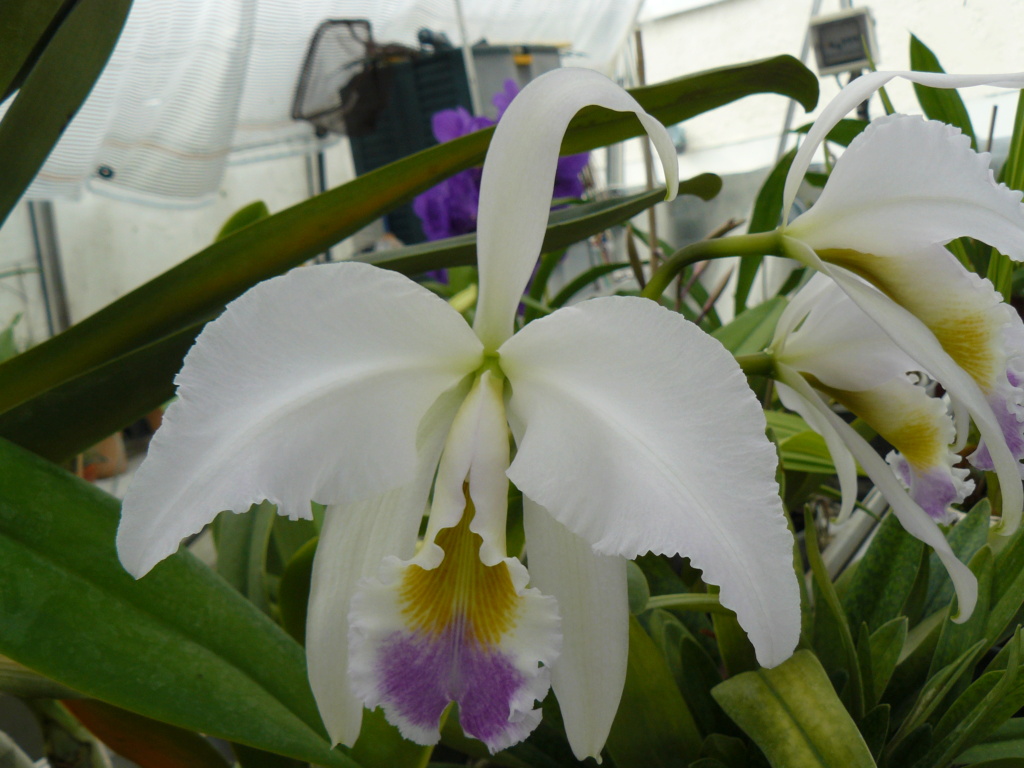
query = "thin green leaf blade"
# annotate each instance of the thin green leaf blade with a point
(54, 90)
(179, 646)
(793, 714)
(942, 104)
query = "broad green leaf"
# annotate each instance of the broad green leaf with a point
(653, 726)
(18, 680)
(886, 643)
(965, 538)
(793, 714)
(121, 390)
(942, 104)
(1007, 742)
(845, 131)
(734, 647)
(1007, 584)
(766, 216)
(989, 702)
(54, 89)
(242, 218)
(179, 646)
(147, 743)
(752, 329)
(884, 577)
(114, 395)
(293, 593)
(26, 27)
(196, 289)
(242, 541)
(932, 694)
(248, 757)
(957, 638)
(830, 616)
(875, 727)
(807, 452)
(785, 424)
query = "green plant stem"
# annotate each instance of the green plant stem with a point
(689, 601)
(757, 364)
(760, 243)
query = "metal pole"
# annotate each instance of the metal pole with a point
(51, 274)
(467, 58)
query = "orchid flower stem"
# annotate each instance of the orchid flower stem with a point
(758, 244)
(690, 601)
(757, 364)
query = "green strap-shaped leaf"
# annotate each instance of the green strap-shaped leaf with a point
(752, 329)
(942, 104)
(179, 646)
(884, 577)
(26, 27)
(793, 714)
(653, 726)
(766, 216)
(242, 542)
(966, 538)
(196, 289)
(1006, 743)
(53, 91)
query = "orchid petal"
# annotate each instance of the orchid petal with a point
(906, 183)
(519, 175)
(644, 453)
(920, 428)
(824, 334)
(917, 340)
(914, 519)
(846, 467)
(354, 541)
(860, 90)
(310, 386)
(448, 625)
(589, 676)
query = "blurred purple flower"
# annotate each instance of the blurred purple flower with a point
(450, 208)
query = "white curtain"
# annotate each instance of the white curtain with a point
(195, 84)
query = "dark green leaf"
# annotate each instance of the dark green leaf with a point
(242, 218)
(242, 542)
(885, 576)
(843, 134)
(965, 539)
(752, 329)
(1012, 172)
(293, 594)
(26, 28)
(766, 216)
(179, 646)
(957, 638)
(653, 726)
(114, 395)
(886, 644)
(793, 714)
(1007, 742)
(942, 104)
(54, 89)
(874, 728)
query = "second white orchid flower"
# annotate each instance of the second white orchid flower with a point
(903, 189)
(825, 346)
(359, 389)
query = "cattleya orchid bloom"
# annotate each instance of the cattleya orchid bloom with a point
(824, 344)
(903, 189)
(359, 389)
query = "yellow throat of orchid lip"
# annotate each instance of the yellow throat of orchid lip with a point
(959, 321)
(461, 589)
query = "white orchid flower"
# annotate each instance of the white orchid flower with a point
(825, 344)
(903, 189)
(356, 388)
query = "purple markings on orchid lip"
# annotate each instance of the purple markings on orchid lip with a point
(1013, 432)
(934, 490)
(419, 674)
